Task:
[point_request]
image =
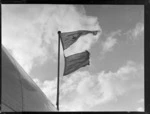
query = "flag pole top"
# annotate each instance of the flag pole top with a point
(59, 32)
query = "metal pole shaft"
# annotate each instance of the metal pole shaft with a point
(57, 103)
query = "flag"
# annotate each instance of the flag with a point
(76, 61)
(68, 38)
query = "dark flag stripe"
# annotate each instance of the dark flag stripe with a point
(68, 38)
(76, 61)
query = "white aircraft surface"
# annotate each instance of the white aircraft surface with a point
(19, 92)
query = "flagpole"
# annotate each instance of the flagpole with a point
(57, 102)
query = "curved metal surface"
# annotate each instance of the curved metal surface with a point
(19, 91)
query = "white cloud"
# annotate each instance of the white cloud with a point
(136, 32)
(30, 31)
(140, 109)
(110, 42)
(82, 90)
(127, 69)
(141, 100)
(139, 29)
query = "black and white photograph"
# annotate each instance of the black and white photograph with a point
(72, 57)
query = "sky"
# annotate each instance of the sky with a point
(114, 80)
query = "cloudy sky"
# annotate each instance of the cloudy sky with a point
(114, 80)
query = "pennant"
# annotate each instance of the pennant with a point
(68, 38)
(76, 61)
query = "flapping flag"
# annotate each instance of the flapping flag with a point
(76, 61)
(68, 38)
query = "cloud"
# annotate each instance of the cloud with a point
(139, 29)
(140, 109)
(141, 100)
(110, 42)
(30, 31)
(82, 90)
(136, 32)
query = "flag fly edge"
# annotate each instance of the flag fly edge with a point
(87, 62)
